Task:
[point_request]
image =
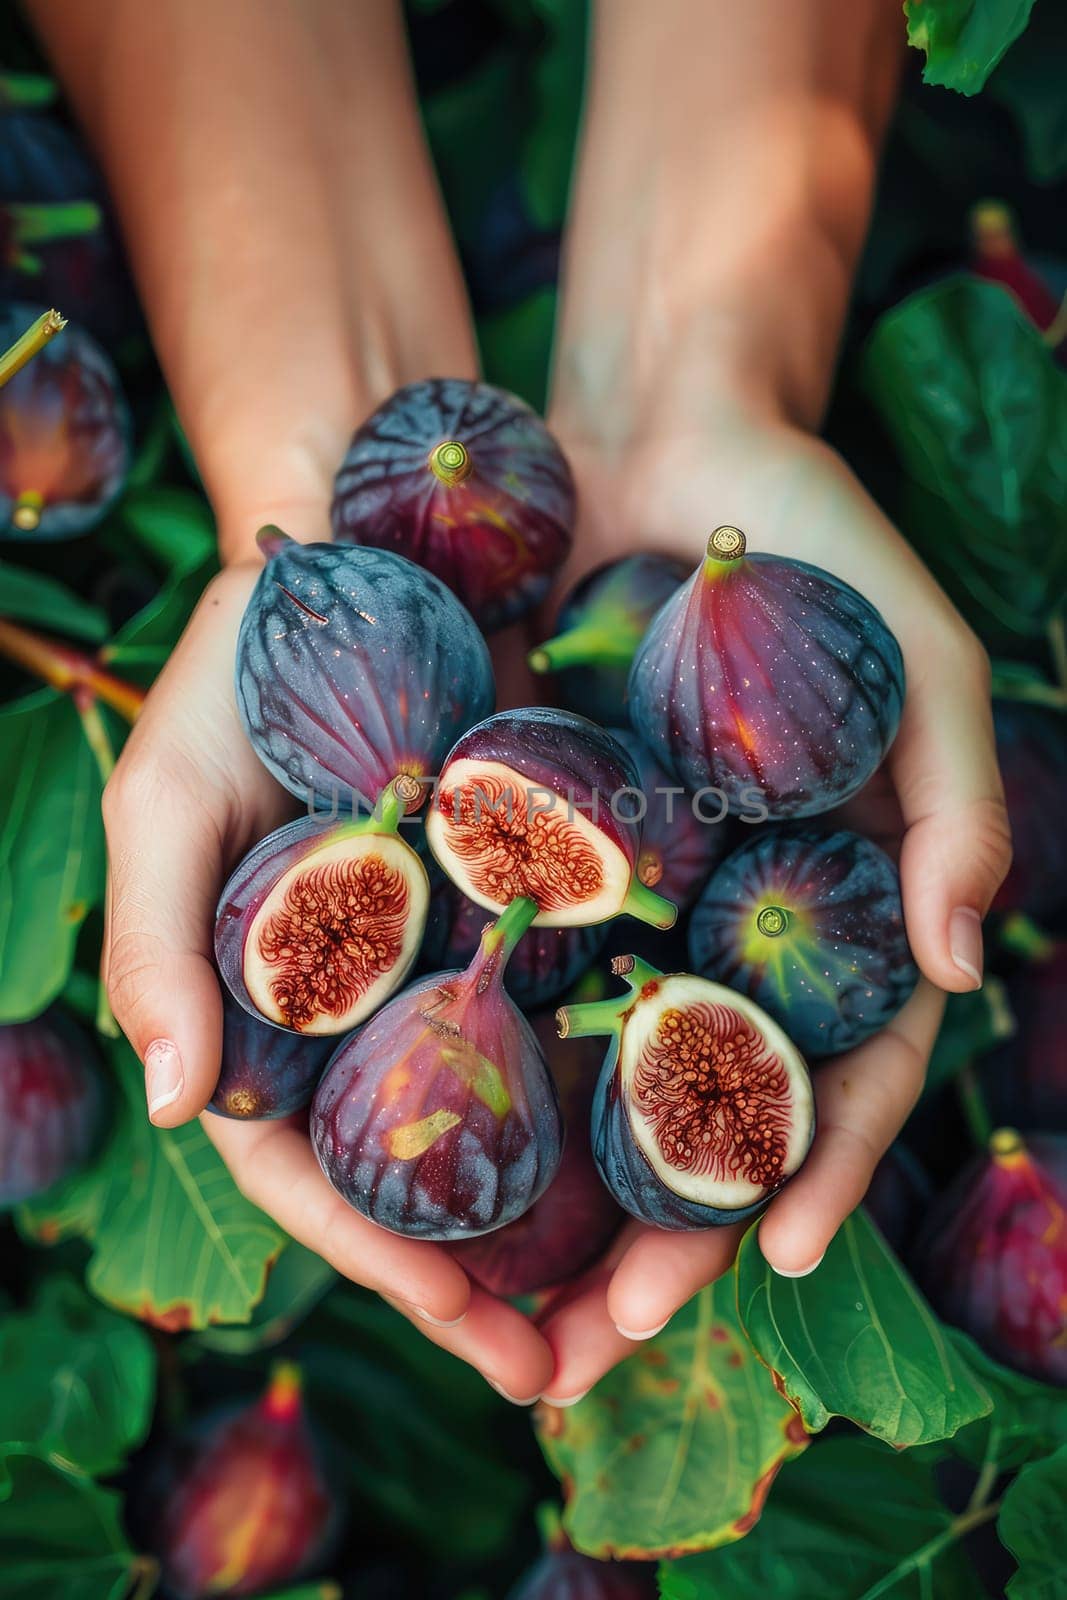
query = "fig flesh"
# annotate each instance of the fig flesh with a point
(440, 1120)
(993, 1254)
(703, 1109)
(240, 1503)
(679, 848)
(809, 924)
(767, 679)
(51, 1104)
(354, 667)
(467, 481)
(539, 802)
(64, 435)
(598, 629)
(322, 921)
(266, 1071)
(576, 1218)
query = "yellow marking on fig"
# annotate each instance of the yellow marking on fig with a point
(480, 1075)
(415, 1138)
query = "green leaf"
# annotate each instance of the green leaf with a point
(856, 1339)
(51, 848)
(558, 82)
(44, 602)
(973, 1024)
(677, 1448)
(325, 1589)
(851, 1520)
(76, 1381)
(1031, 1524)
(1030, 83)
(964, 39)
(174, 1241)
(175, 529)
(60, 1535)
(1028, 1418)
(515, 346)
(977, 409)
(297, 1282)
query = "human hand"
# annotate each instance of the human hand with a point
(939, 794)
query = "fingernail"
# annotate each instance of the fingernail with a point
(437, 1322)
(802, 1272)
(164, 1079)
(646, 1333)
(571, 1400)
(965, 942)
(510, 1398)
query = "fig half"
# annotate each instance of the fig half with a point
(704, 1107)
(540, 802)
(322, 921)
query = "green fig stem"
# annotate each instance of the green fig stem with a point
(450, 462)
(25, 348)
(68, 670)
(395, 800)
(1024, 938)
(501, 937)
(972, 1103)
(636, 972)
(282, 1398)
(95, 729)
(63, 219)
(725, 551)
(648, 906)
(586, 645)
(26, 91)
(587, 1018)
(773, 921)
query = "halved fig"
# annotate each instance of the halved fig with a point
(439, 1120)
(704, 1107)
(540, 802)
(266, 1071)
(322, 921)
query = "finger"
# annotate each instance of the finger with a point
(274, 1166)
(661, 1271)
(957, 847)
(504, 1346)
(862, 1101)
(584, 1341)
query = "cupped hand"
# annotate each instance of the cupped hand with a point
(939, 791)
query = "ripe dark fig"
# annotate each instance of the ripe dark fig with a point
(996, 256)
(767, 678)
(809, 924)
(240, 1503)
(575, 1219)
(64, 435)
(703, 1109)
(266, 1071)
(532, 802)
(51, 1103)
(599, 627)
(563, 1573)
(439, 1119)
(467, 481)
(545, 964)
(993, 1254)
(679, 848)
(322, 921)
(354, 667)
(1032, 751)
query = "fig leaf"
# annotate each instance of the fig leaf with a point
(1031, 1525)
(1029, 1418)
(964, 39)
(62, 1534)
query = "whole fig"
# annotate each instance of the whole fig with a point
(51, 1104)
(266, 1071)
(679, 848)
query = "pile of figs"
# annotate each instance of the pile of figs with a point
(393, 954)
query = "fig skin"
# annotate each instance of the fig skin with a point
(678, 849)
(574, 1221)
(240, 1503)
(809, 924)
(769, 678)
(598, 629)
(492, 518)
(51, 1105)
(547, 961)
(568, 1575)
(769, 1152)
(378, 936)
(64, 435)
(992, 1256)
(266, 1072)
(439, 1120)
(1024, 1081)
(534, 754)
(1032, 751)
(354, 667)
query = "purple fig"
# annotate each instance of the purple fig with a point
(266, 1071)
(240, 1503)
(355, 667)
(679, 848)
(545, 964)
(993, 1254)
(51, 1103)
(1025, 1079)
(1032, 751)
(64, 435)
(576, 1218)
(322, 921)
(809, 924)
(563, 1573)
(703, 1109)
(439, 1119)
(599, 627)
(467, 481)
(539, 802)
(767, 680)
